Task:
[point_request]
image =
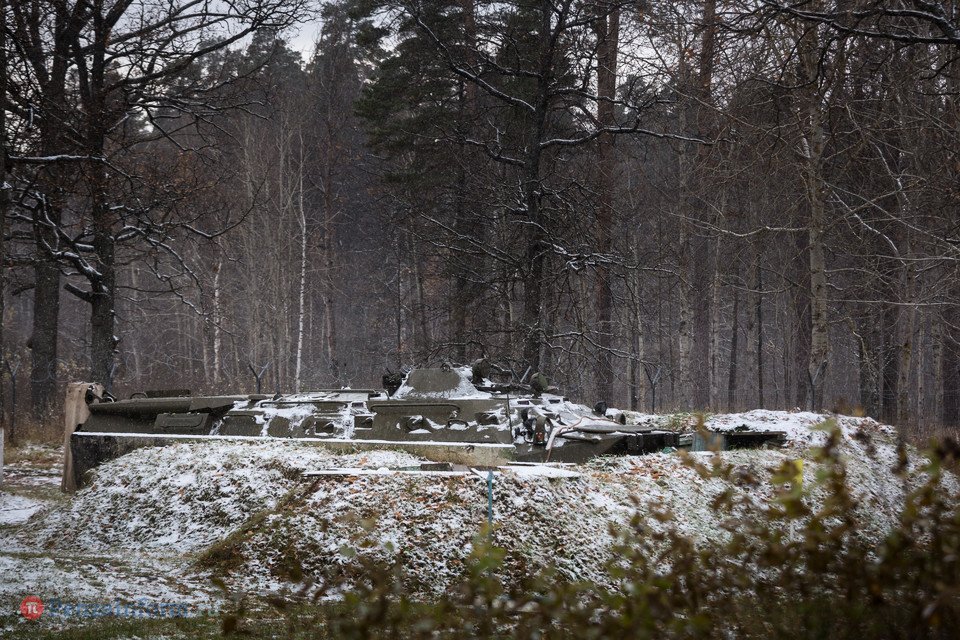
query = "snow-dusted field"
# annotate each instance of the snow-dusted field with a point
(137, 532)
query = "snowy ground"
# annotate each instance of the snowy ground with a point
(139, 531)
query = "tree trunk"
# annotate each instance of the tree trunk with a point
(217, 321)
(608, 35)
(43, 340)
(136, 348)
(734, 348)
(461, 285)
(422, 328)
(868, 364)
(758, 279)
(301, 298)
(921, 385)
(905, 353)
(939, 336)
(716, 326)
(890, 363)
(330, 263)
(813, 143)
(819, 326)
(4, 203)
(704, 260)
(950, 367)
(637, 348)
(464, 219)
(398, 300)
(103, 339)
(536, 250)
(51, 73)
(684, 334)
(751, 334)
(44, 351)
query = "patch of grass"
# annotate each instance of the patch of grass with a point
(923, 436)
(684, 421)
(46, 429)
(226, 555)
(109, 628)
(292, 620)
(48, 493)
(33, 454)
(935, 437)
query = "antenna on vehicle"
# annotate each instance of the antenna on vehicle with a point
(258, 376)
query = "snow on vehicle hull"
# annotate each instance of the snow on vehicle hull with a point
(438, 414)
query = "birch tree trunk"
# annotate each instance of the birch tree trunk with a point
(4, 204)
(217, 321)
(301, 301)
(813, 142)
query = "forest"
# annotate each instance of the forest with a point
(693, 206)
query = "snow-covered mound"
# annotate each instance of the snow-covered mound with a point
(186, 496)
(182, 498)
(800, 427)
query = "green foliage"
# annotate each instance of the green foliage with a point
(109, 628)
(799, 570)
(411, 103)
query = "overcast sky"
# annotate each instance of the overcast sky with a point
(302, 37)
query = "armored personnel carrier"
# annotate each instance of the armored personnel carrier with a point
(447, 414)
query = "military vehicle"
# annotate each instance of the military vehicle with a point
(447, 414)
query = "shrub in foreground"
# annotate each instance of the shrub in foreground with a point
(794, 568)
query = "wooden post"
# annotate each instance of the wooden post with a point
(75, 412)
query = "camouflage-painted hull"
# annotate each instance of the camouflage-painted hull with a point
(438, 414)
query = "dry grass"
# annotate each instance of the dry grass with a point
(924, 436)
(33, 454)
(44, 430)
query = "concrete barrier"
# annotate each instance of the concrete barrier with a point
(75, 412)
